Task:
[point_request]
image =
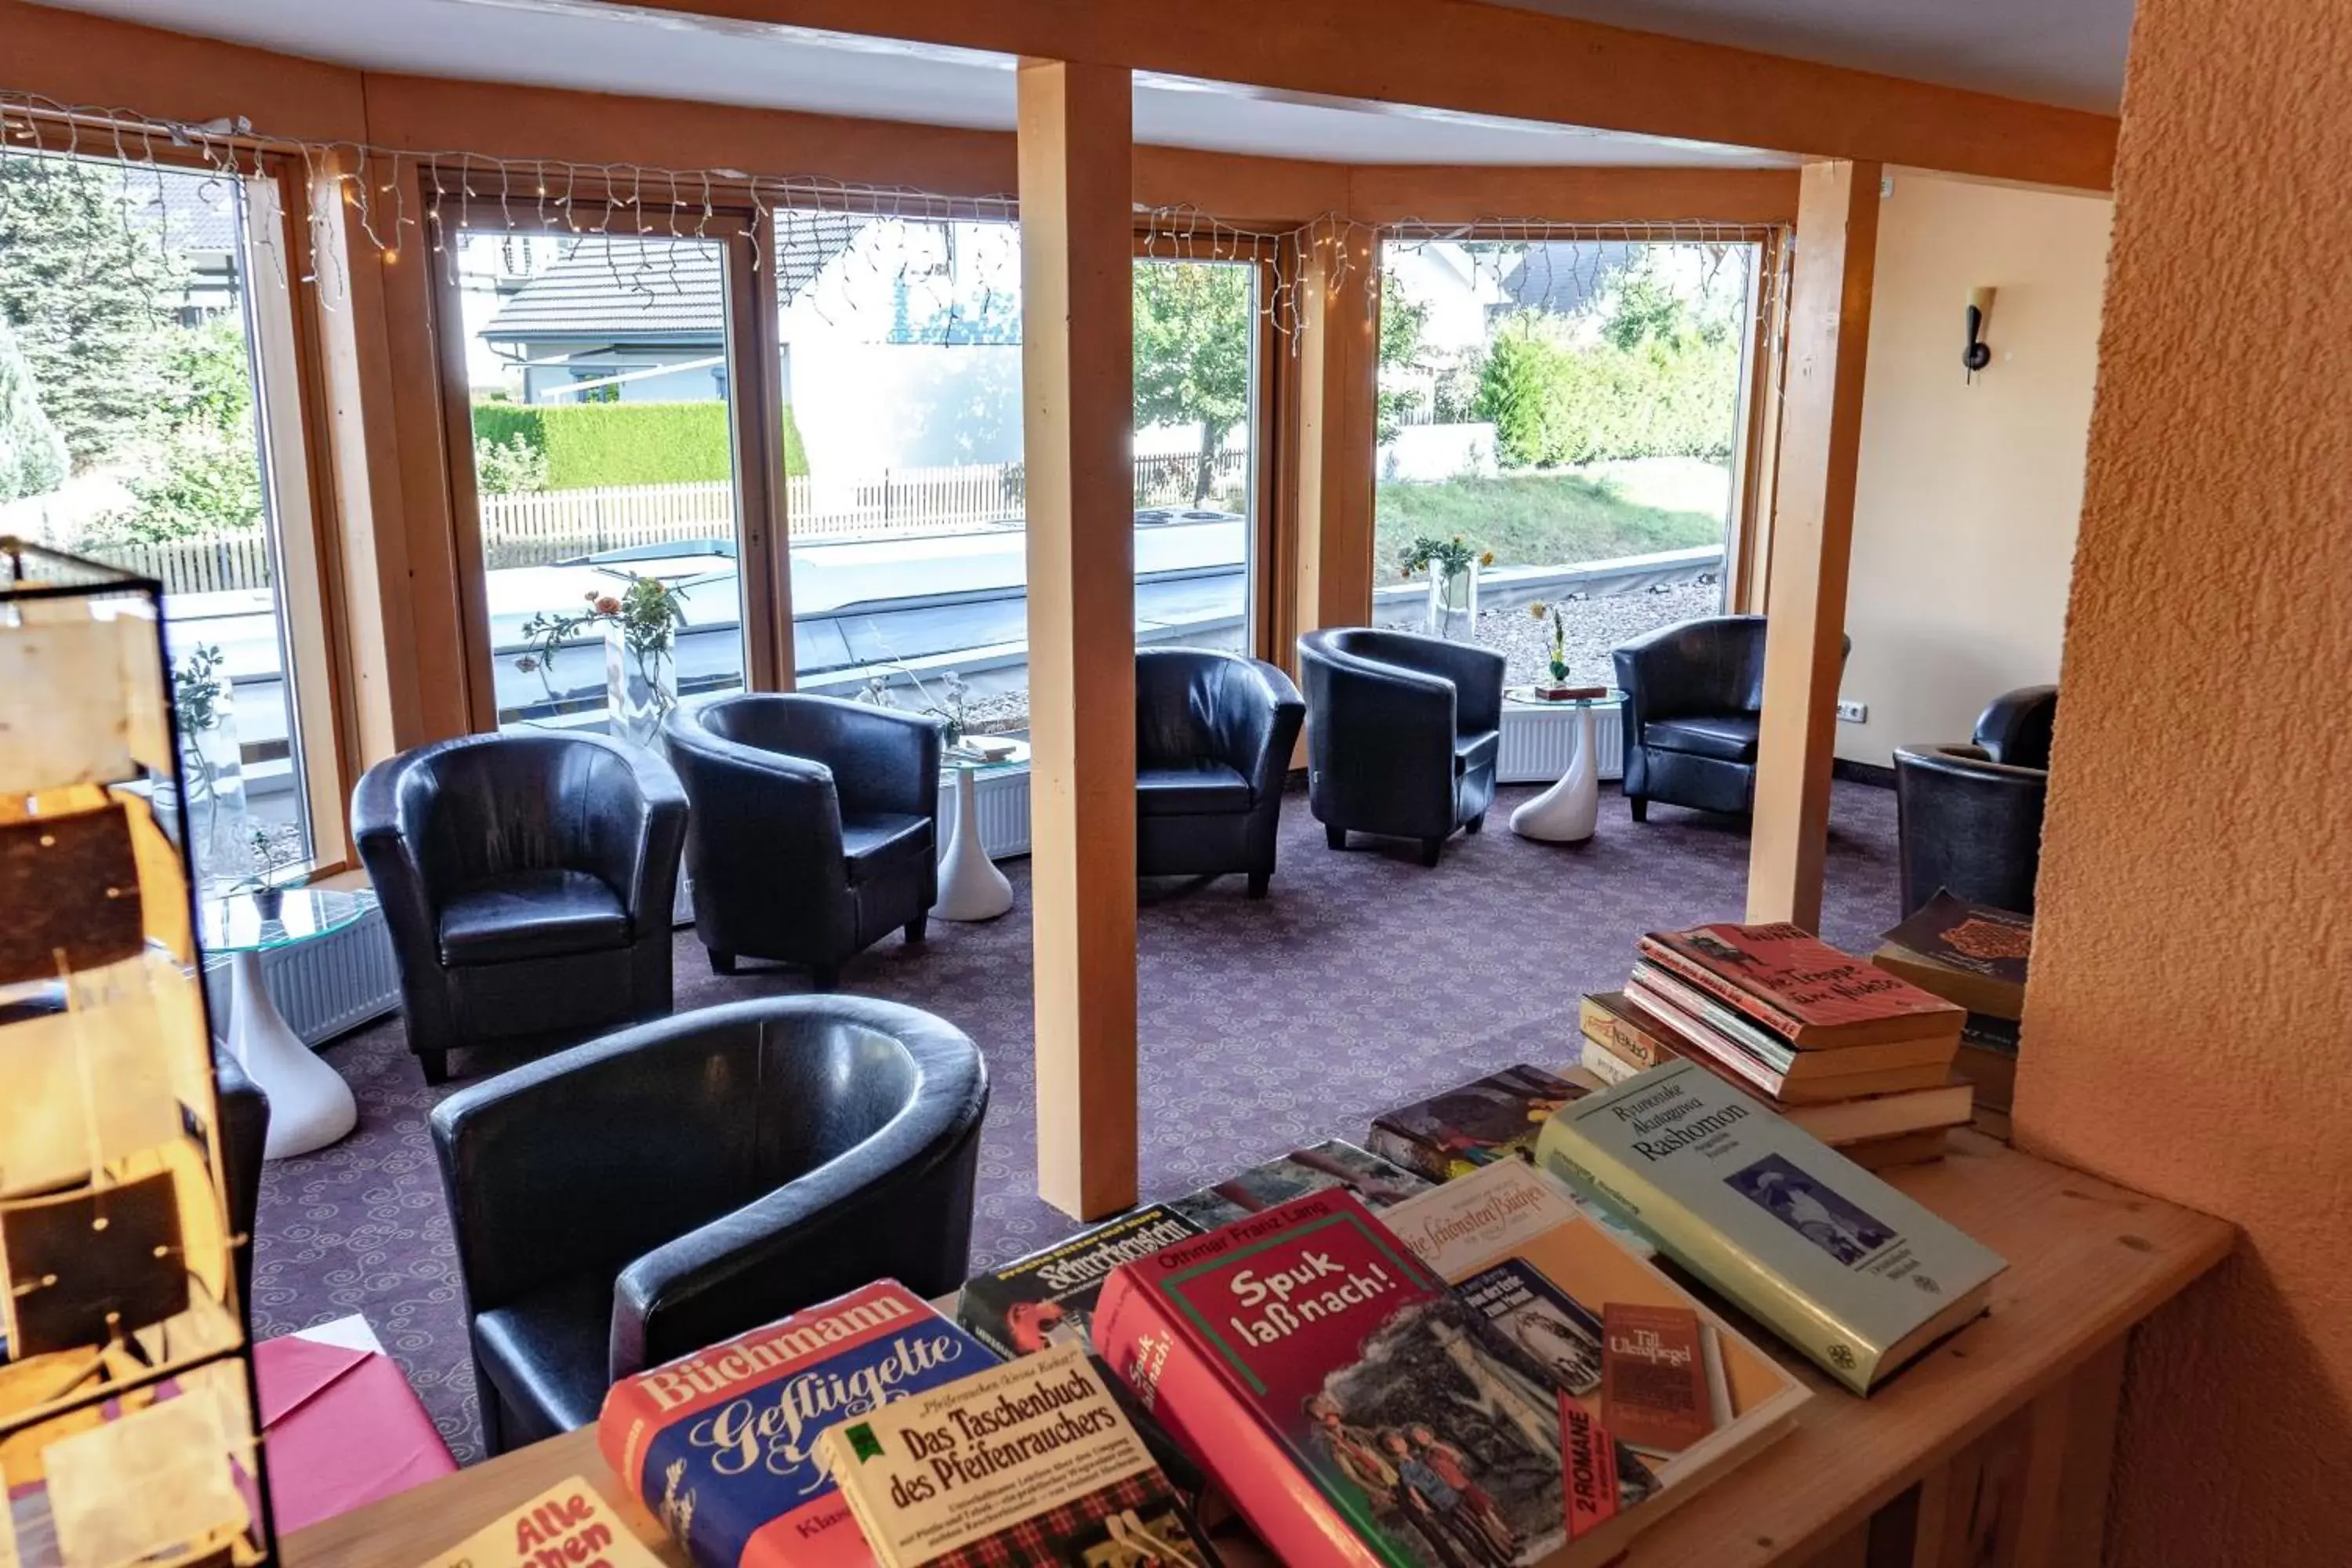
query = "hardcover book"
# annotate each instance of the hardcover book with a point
(1801, 989)
(1318, 1168)
(1026, 1463)
(1046, 1297)
(1356, 1411)
(721, 1445)
(1971, 955)
(1839, 1265)
(1493, 1118)
(1609, 1328)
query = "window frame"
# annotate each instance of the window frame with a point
(739, 229)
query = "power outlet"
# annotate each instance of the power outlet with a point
(1853, 712)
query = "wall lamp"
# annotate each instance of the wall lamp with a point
(1980, 352)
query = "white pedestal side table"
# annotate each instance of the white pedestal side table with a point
(971, 887)
(1569, 811)
(310, 1106)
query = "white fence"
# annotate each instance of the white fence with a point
(536, 530)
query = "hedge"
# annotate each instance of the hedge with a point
(1555, 403)
(595, 444)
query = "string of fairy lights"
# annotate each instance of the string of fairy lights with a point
(958, 254)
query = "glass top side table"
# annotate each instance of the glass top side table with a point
(1570, 811)
(310, 1106)
(971, 887)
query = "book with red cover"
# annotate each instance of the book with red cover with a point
(1801, 988)
(1354, 1410)
(1653, 1385)
(721, 1445)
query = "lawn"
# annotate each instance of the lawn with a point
(1535, 519)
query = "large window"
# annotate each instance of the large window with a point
(149, 417)
(1572, 409)
(603, 437)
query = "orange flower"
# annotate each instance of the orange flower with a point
(607, 606)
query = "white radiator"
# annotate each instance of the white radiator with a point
(327, 986)
(1538, 744)
(1003, 800)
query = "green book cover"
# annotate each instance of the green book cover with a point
(1842, 1267)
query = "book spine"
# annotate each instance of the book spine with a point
(624, 1428)
(1713, 1257)
(1186, 1389)
(1606, 1065)
(1706, 1041)
(1769, 1049)
(1622, 1037)
(1745, 1003)
(1401, 1149)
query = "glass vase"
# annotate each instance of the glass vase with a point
(211, 782)
(640, 688)
(1454, 602)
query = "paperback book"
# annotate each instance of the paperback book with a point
(1493, 1118)
(1659, 1370)
(1046, 1297)
(1319, 1167)
(1354, 1409)
(1798, 987)
(1029, 1463)
(721, 1445)
(1971, 955)
(1839, 1265)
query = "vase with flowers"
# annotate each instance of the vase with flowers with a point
(641, 626)
(1556, 666)
(1453, 566)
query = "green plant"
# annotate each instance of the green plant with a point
(590, 445)
(951, 709)
(1446, 560)
(1558, 664)
(509, 468)
(199, 476)
(271, 855)
(197, 684)
(1554, 401)
(1403, 320)
(33, 457)
(647, 613)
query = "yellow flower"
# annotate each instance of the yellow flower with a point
(1486, 559)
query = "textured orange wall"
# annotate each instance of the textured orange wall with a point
(2189, 1028)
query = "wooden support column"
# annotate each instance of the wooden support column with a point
(1812, 537)
(1338, 335)
(1078, 399)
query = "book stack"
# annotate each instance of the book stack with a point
(1974, 956)
(1854, 1054)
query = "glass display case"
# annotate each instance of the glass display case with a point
(127, 1429)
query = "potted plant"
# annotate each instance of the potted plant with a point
(269, 858)
(949, 709)
(211, 780)
(1453, 567)
(641, 625)
(1557, 665)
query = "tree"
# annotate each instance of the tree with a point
(1403, 320)
(1192, 332)
(201, 474)
(33, 459)
(80, 282)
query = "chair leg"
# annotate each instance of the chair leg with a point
(1336, 837)
(721, 963)
(1641, 807)
(917, 929)
(824, 978)
(1257, 883)
(1474, 824)
(1430, 850)
(436, 1067)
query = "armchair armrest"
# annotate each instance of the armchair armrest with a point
(637, 826)
(393, 864)
(1258, 724)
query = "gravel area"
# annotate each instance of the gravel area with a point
(1594, 627)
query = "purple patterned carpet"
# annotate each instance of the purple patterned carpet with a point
(1365, 981)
